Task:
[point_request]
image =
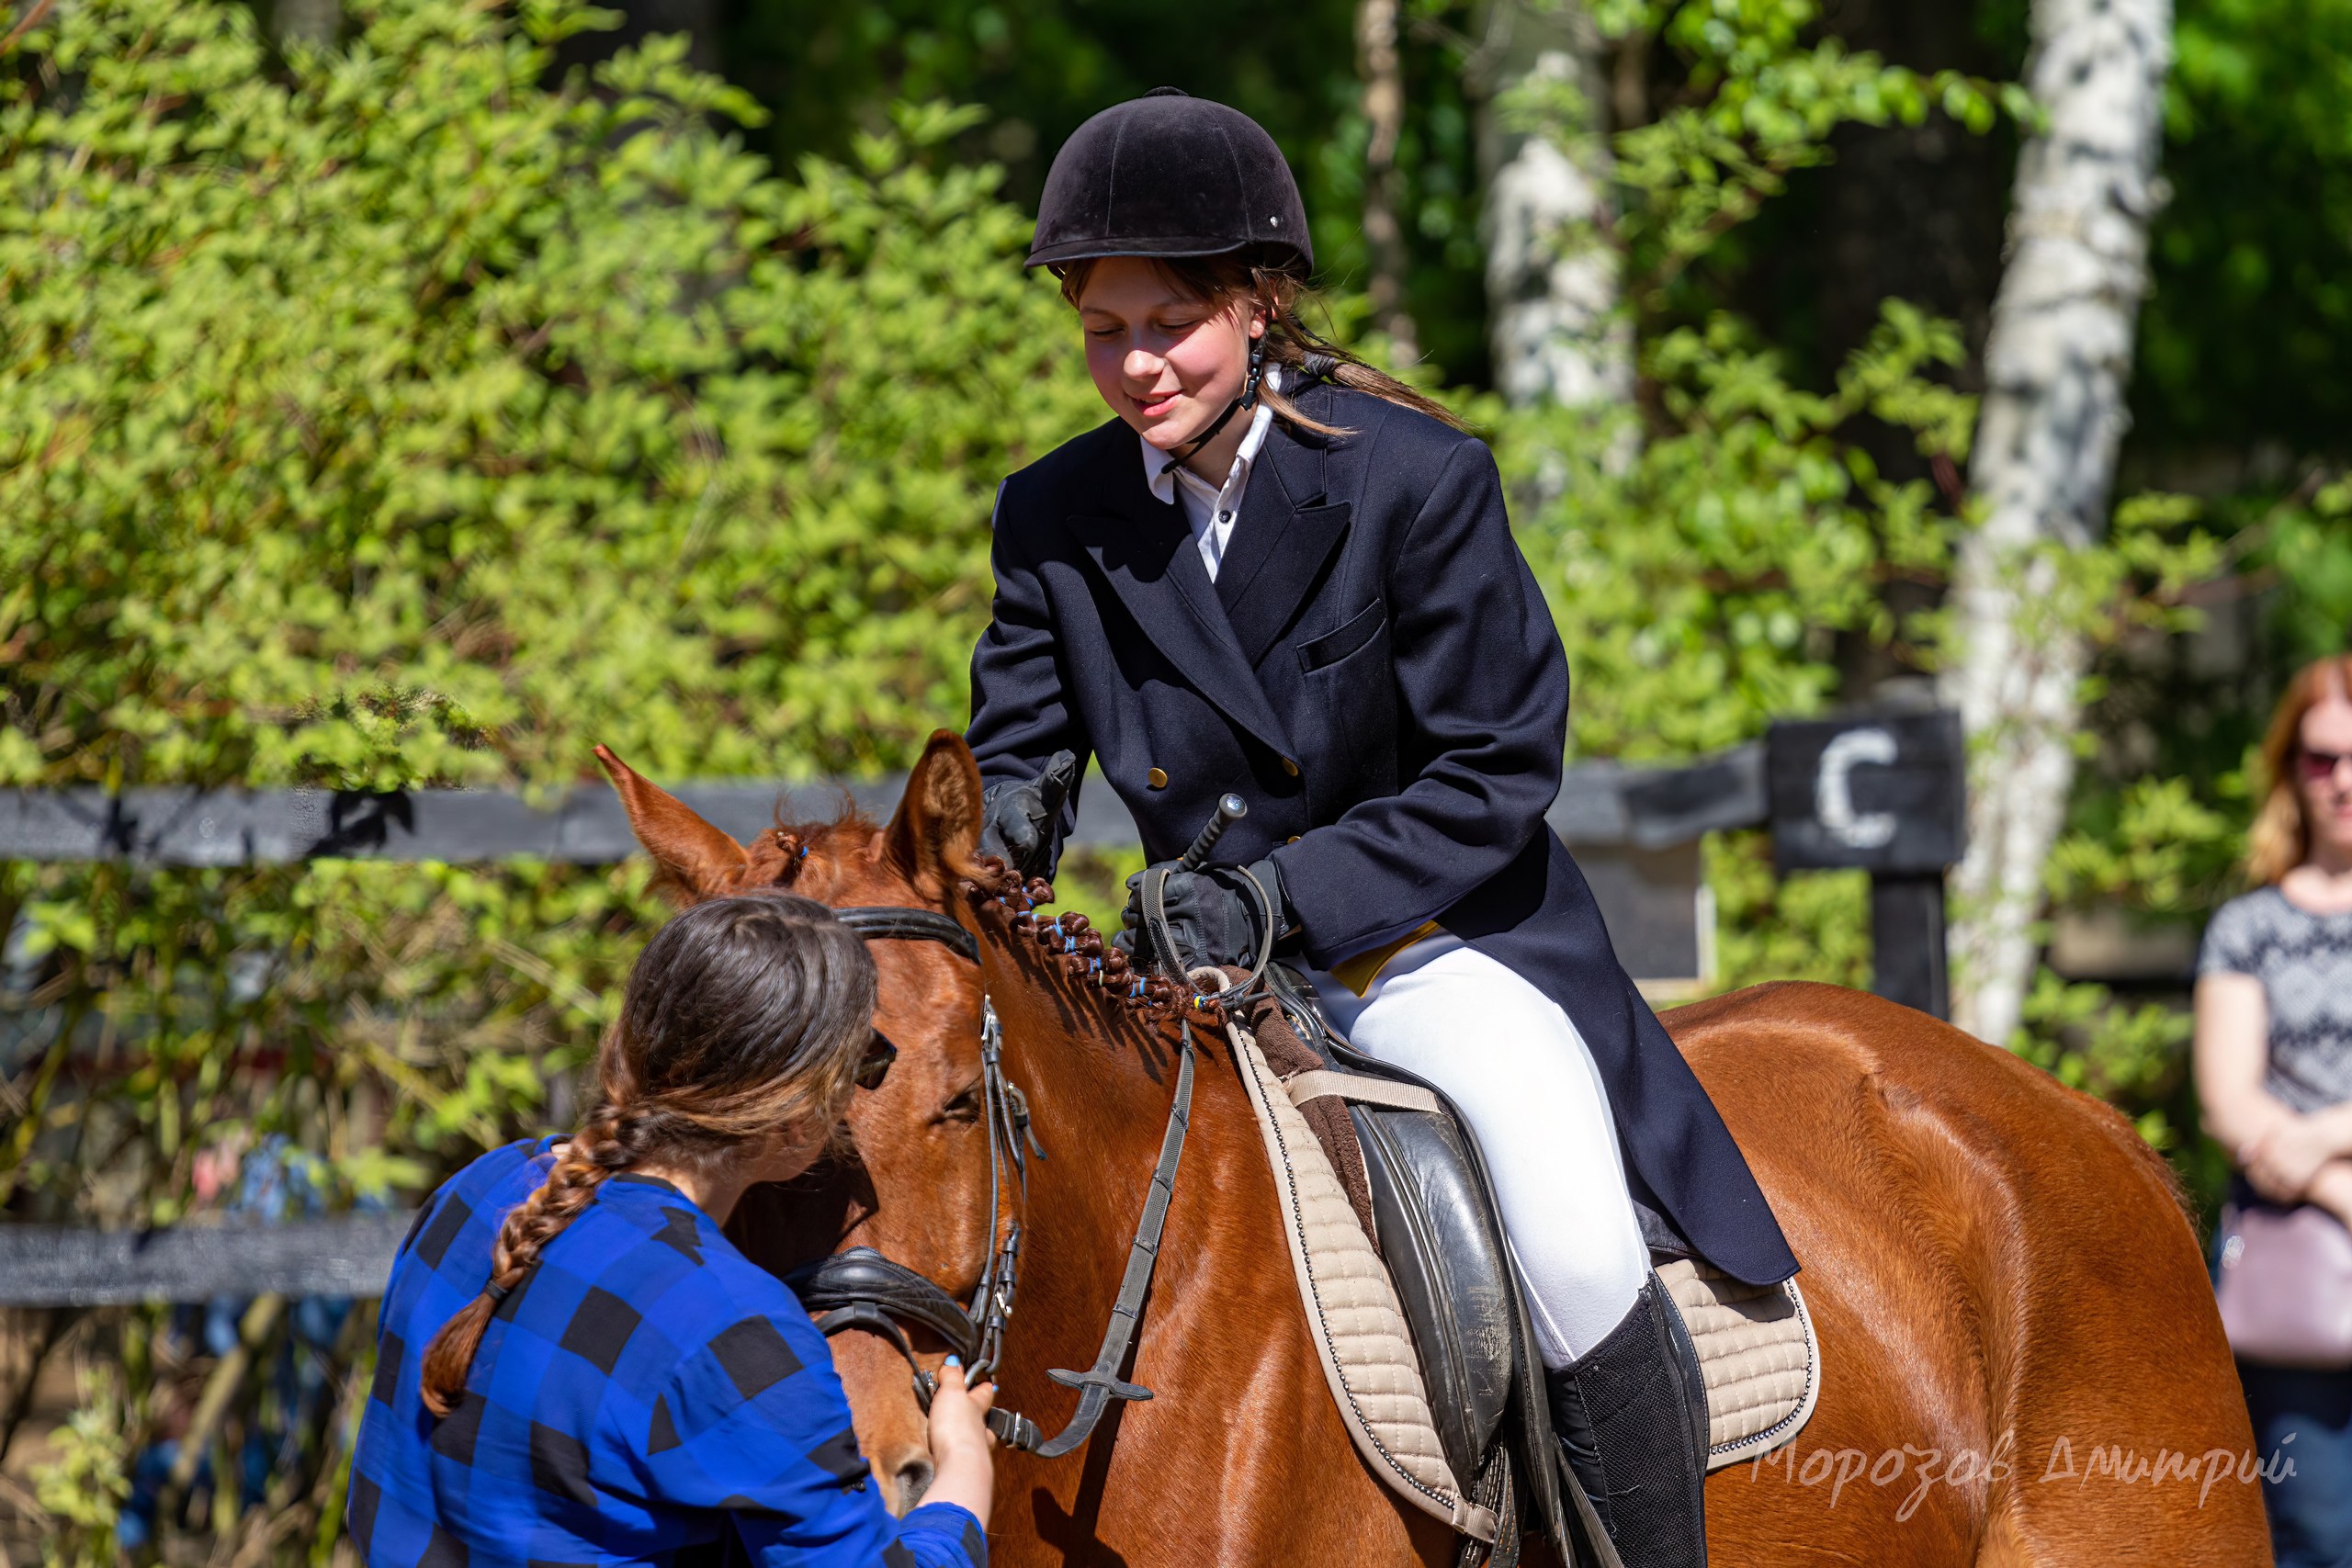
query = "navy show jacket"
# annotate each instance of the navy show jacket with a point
(1375, 670)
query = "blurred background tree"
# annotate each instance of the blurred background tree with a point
(416, 392)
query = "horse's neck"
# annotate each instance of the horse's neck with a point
(1099, 1090)
(1240, 1455)
(1101, 1084)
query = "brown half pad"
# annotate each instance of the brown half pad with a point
(1327, 1118)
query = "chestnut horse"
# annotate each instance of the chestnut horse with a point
(2023, 1361)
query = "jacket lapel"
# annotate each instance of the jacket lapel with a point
(1148, 555)
(1284, 537)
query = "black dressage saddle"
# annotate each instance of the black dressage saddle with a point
(1440, 1239)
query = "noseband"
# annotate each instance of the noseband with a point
(862, 1290)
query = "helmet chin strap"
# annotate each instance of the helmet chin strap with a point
(1184, 452)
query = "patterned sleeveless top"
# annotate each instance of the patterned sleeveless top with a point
(2304, 962)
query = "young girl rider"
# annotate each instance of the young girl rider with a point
(1279, 572)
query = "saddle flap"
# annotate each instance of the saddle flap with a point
(1445, 1256)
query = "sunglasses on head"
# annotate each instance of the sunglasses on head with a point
(2318, 765)
(875, 1065)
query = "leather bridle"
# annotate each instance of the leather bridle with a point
(861, 1288)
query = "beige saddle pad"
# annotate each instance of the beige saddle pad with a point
(1360, 1331)
(1761, 1358)
(1755, 1344)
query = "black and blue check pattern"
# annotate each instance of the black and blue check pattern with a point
(646, 1393)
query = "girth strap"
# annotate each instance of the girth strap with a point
(1360, 1089)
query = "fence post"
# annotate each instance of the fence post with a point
(1907, 953)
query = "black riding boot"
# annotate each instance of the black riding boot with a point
(1632, 1413)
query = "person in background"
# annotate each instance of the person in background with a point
(576, 1366)
(2274, 1070)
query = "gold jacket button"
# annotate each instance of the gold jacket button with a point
(1290, 767)
(1157, 778)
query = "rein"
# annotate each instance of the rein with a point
(861, 1288)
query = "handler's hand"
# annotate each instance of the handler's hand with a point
(961, 1443)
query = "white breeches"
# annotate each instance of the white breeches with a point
(1524, 1080)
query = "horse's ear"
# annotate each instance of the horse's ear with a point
(698, 859)
(936, 829)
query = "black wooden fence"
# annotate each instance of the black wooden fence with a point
(1881, 792)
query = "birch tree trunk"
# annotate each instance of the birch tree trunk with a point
(1383, 72)
(1552, 287)
(2056, 363)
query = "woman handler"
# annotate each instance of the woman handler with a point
(1282, 573)
(574, 1364)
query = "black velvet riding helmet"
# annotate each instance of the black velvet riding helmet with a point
(1169, 174)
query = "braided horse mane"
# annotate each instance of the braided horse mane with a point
(848, 859)
(1066, 952)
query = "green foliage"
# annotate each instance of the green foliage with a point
(1809, 927)
(398, 421)
(394, 420)
(1706, 553)
(2126, 1055)
(1700, 576)
(408, 414)
(2303, 545)
(1094, 882)
(1707, 558)
(2244, 337)
(83, 1487)
(2155, 845)
(1763, 97)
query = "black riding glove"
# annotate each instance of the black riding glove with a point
(1212, 914)
(1018, 818)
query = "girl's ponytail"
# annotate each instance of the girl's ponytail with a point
(1292, 344)
(601, 1148)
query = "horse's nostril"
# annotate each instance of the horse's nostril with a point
(914, 1480)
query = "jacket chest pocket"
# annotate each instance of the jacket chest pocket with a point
(1351, 636)
(1350, 689)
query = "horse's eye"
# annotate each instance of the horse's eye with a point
(964, 1107)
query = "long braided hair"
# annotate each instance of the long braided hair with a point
(1303, 352)
(744, 1017)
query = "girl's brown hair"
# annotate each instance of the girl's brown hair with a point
(1289, 342)
(2281, 838)
(743, 1017)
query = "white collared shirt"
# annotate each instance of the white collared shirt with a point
(1211, 510)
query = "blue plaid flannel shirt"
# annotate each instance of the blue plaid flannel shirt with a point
(644, 1394)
